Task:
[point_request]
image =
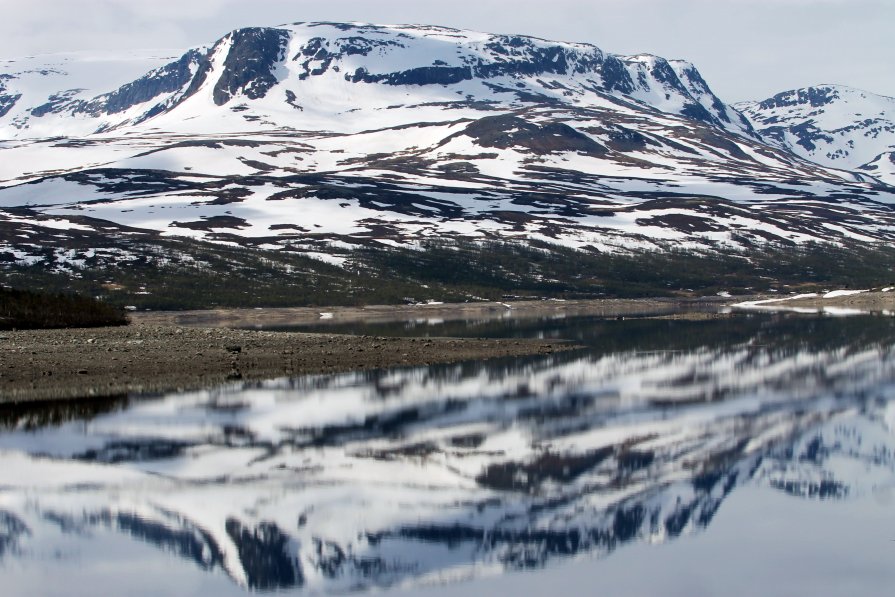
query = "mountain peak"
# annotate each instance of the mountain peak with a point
(247, 65)
(834, 125)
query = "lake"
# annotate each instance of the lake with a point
(743, 454)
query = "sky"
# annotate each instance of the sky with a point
(745, 49)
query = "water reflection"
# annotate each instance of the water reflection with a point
(433, 474)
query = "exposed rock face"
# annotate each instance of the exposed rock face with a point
(7, 100)
(167, 79)
(424, 75)
(816, 97)
(252, 57)
(616, 77)
(57, 103)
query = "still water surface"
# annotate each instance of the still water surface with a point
(751, 454)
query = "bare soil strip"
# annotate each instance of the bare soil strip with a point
(60, 364)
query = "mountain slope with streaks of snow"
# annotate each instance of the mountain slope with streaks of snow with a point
(326, 137)
(832, 125)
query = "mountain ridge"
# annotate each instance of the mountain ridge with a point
(252, 54)
(834, 125)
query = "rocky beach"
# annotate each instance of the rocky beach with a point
(92, 362)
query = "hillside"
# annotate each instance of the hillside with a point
(349, 146)
(832, 125)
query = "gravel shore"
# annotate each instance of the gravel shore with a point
(58, 364)
(161, 352)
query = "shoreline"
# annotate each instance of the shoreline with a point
(282, 316)
(191, 350)
(163, 352)
(869, 301)
(71, 364)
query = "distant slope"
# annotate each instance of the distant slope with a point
(34, 86)
(832, 125)
(26, 310)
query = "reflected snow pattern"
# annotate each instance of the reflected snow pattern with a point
(347, 482)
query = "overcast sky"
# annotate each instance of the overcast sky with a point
(745, 49)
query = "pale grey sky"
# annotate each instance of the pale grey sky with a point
(745, 49)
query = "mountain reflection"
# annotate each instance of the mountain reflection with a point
(431, 474)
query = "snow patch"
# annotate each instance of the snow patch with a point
(837, 293)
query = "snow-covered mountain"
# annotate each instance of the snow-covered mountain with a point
(832, 125)
(294, 75)
(38, 83)
(325, 137)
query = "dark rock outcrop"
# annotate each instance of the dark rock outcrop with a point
(816, 97)
(167, 79)
(248, 68)
(507, 131)
(7, 102)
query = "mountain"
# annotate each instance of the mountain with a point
(331, 67)
(833, 125)
(337, 141)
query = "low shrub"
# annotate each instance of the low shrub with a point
(24, 309)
